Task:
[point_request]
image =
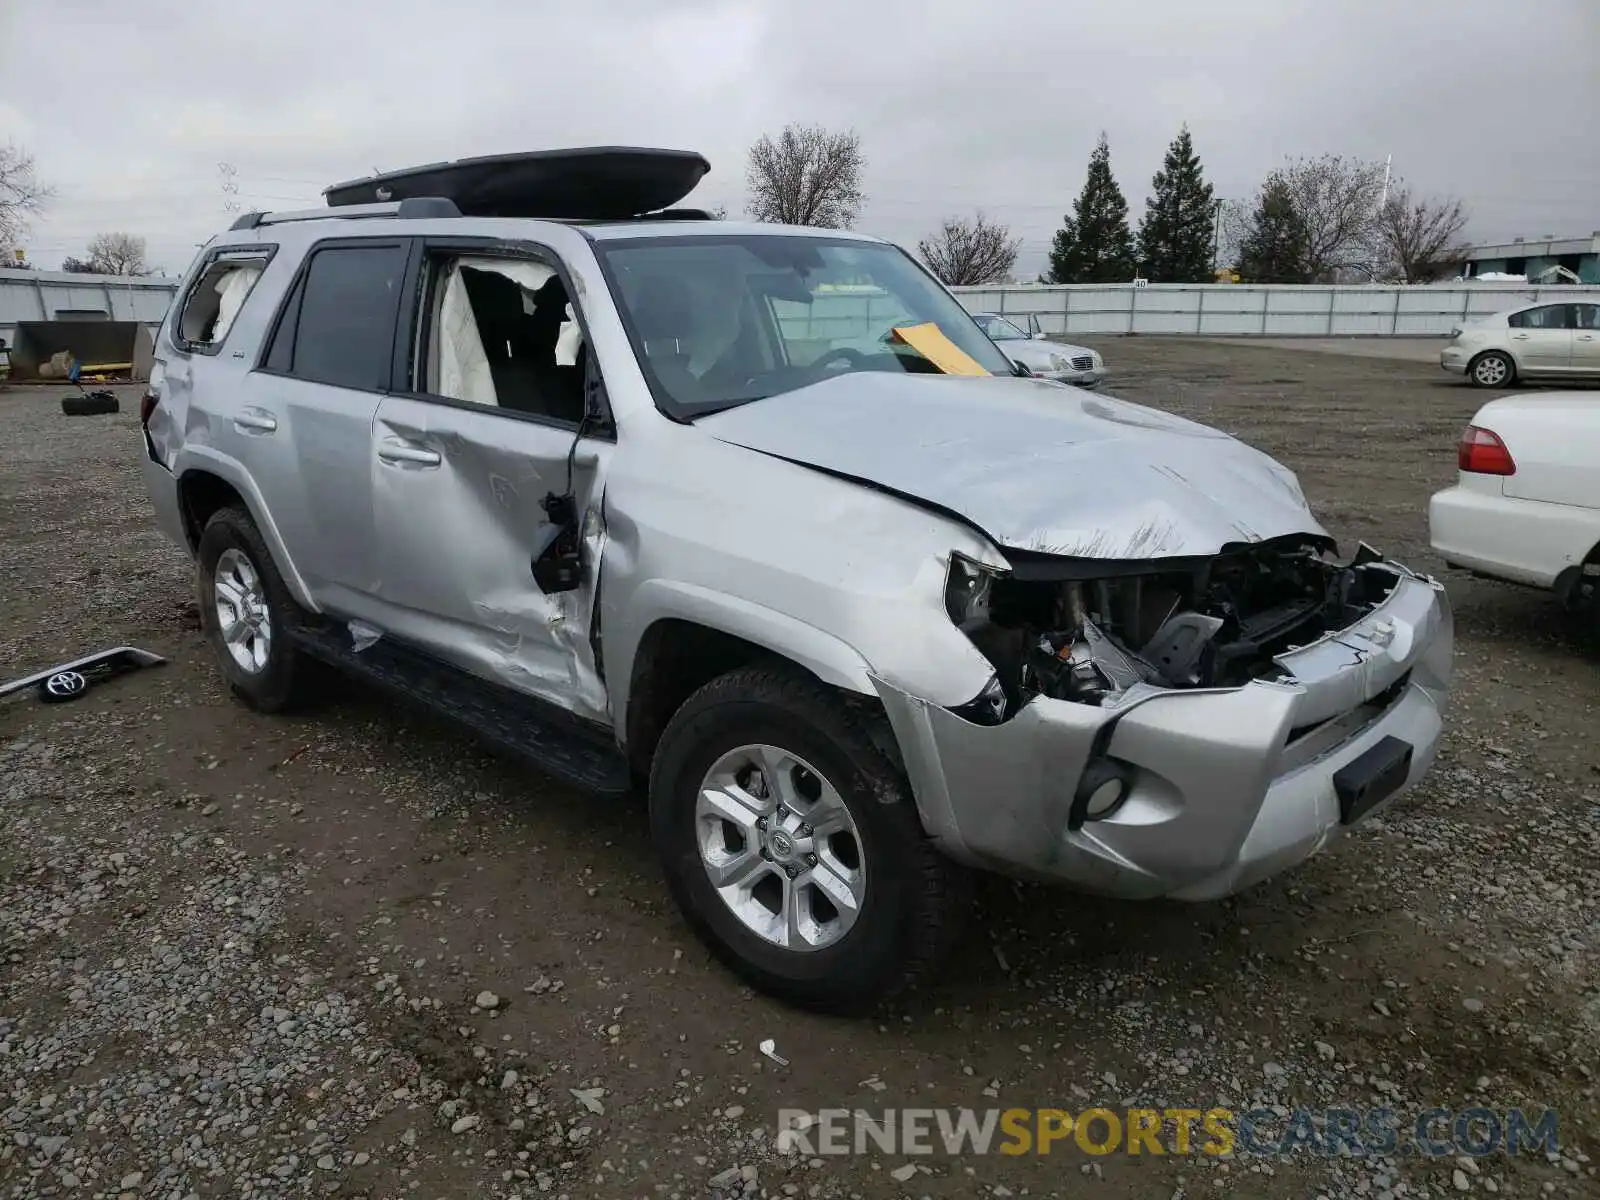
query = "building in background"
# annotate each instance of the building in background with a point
(1535, 260)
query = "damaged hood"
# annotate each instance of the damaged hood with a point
(1037, 467)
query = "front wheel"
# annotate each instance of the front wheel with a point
(792, 845)
(1492, 370)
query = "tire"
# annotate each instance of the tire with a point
(1492, 369)
(281, 678)
(91, 404)
(911, 895)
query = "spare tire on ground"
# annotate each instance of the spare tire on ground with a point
(90, 404)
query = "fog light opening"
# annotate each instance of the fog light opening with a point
(1102, 789)
(1104, 798)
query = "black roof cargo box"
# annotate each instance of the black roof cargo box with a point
(596, 183)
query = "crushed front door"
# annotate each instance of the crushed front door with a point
(458, 497)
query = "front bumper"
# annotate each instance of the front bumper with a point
(1229, 786)
(1092, 378)
(1453, 360)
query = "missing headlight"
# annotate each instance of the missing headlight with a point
(966, 592)
(1051, 629)
(988, 707)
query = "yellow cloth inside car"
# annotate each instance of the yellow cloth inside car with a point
(929, 341)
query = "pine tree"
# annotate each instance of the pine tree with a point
(1093, 245)
(1175, 236)
(1276, 246)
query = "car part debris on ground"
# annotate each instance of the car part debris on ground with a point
(70, 680)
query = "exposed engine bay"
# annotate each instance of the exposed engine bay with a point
(1216, 622)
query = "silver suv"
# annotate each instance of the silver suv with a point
(756, 520)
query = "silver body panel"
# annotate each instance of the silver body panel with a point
(818, 525)
(1077, 475)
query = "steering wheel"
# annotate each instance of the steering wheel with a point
(845, 355)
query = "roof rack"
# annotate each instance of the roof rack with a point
(417, 208)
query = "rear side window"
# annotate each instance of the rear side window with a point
(1550, 316)
(213, 301)
(338, 328)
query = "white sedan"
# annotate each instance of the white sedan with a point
(1526, 343)
(1526, 504)
(1043, 358)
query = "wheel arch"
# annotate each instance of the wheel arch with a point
(210, 484)
(677, 655)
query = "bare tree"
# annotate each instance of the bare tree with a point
(117, 254)
(967, 252)
(808, 176)
(21, 194)
(1421, 238)
(1337, 200)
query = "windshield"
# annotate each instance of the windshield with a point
(999, 329)
(723, 319)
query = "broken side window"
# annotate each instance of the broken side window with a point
(503, 334)
(214, 301)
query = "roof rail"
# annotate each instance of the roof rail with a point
(417, 208)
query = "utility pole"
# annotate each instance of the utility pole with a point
(1384, 203)
(230, 187)
(1216, 237)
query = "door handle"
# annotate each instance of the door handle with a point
(1586, 337)
(402, 452)
(1519, 337)
(255, 420)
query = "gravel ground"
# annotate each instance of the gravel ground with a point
(349, 954)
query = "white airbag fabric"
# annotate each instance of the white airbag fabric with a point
(463, 367)
(232, 288)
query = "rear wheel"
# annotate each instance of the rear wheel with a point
(793, 846)
(245, 611)
(1492, 369)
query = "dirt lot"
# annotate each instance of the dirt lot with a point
(241, 954)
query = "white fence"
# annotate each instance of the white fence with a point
(58, 295)
(1215, 310)
(1277, 310)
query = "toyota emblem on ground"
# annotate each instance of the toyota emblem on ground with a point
(69, 680)
(63, 685)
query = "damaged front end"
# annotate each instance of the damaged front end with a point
(1177, 727)
(1095, 632)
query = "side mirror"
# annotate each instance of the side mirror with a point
(1039, 335)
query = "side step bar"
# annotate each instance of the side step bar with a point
(557, 742)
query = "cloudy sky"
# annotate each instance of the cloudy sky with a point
(129, 107)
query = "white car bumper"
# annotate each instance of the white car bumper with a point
(1091, 378)
(1453, 359)
(1474, 526)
